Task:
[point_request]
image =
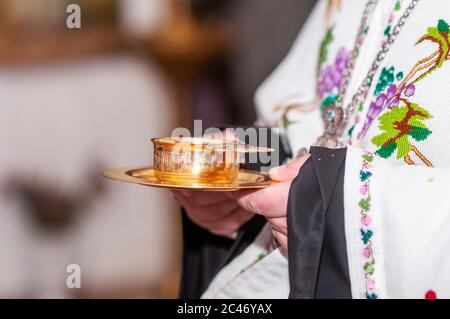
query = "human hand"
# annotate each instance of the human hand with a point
(218, 212)
(272, 202)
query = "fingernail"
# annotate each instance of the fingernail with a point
(274, 170)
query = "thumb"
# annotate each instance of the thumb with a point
(287, 173)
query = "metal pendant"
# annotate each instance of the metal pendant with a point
(334, 119)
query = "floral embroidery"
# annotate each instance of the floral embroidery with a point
(366, 221)
(403, 122)
(329, 82)
(323, 55)
(397, 7)
(400, 125)
(326, 80)
(387, 77)
(331, 76)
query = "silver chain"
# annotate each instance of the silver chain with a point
(336, 118)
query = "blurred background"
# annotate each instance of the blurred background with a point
(73, 102)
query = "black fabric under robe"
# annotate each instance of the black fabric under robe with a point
(318, 266)
(317, 251)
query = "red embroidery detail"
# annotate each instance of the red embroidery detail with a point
(430, 295)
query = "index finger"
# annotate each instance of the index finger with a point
(289, 171)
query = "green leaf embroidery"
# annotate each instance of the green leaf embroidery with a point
(328, 101)
(364, 176)
(400, 124)
(368, 158)
(439, 35)
(369, 267)
(365, 204)
(390, 118)
(424, 114)
(397, 125)
(261, 256)
(403, 146)
(387, 77)
(419, 133)
(351, 130)
(443, 26)
(361, 107)
(287, 122)
(387, 151)
(323, 56)
(366, 236)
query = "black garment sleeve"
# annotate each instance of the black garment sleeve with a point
(318, 266)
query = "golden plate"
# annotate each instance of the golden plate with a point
(146, 176)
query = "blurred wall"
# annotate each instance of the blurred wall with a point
(61, 124)
(69, 110)
(142, 17)
(264, 33)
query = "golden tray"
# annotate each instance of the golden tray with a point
(146, 176)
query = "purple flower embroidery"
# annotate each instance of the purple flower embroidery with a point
(410, 90)
(391, 97)
(389, 100)
(374, 110)
(330, 77)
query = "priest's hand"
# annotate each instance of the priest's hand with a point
(218, 212)
(272, 202)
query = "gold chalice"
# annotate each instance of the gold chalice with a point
(204, 164)
(199, 160)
